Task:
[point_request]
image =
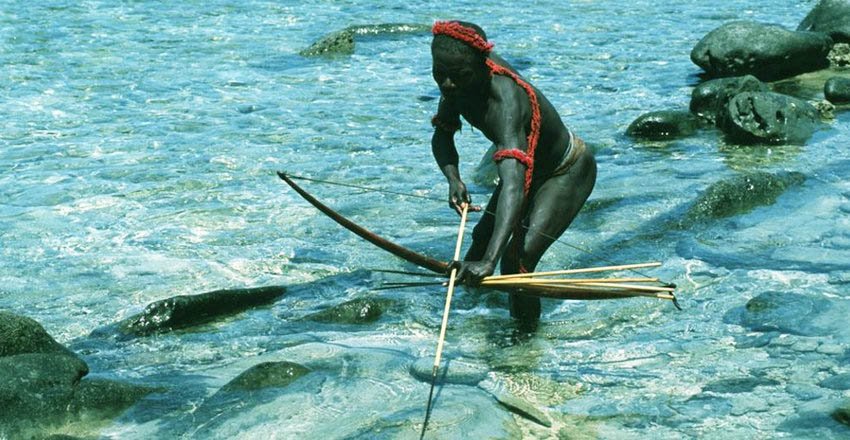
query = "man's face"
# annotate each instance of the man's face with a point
(456, 74)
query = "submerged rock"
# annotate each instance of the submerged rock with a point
(837, 382)
(20, 335)
(664, 124)
(107, 399)
(357, 311)
(266, 375)
(739, 385)
(516, 404)
(342, 42)
(831, 17)
(842, 414)
(768, 52)
(837, 90)
(452, 371)
(768, 118)
(740, 194)
(188, 310)
(710, 98)
(787, 313)
(42, 384)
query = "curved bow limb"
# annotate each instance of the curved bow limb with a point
(393, 248)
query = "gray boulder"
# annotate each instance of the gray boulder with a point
(710, 98)
(266, 375)
(842, 414)
(768, 52)
(19, 335)
(358, 311)
(831, 17)
(739, 194)
(768, 118)
(837, 90)
(342, 42)
(663, 125)
(188, 310)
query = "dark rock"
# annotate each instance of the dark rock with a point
(342, 42)
(740, 194)
(453, 371)
(837, 382)
(837, 90)
(739, 385)
(107, 398)
(710, 98)
(188, 310)
(661, 125)
(786, 313)
(515, 404)
(768, 118)
(266, 375)
(768, 52)
(831, 17)
(336, 43)
(358, 311)
(36, 390)
(842, 414)
(19, 335)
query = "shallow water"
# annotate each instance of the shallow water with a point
(139, 148)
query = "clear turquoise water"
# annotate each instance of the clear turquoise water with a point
(138, 151)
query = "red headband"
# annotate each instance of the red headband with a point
(462, 33)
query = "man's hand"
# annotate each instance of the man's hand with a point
(472, 272)
(459, 196)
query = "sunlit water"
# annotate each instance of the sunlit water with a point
(138, 149)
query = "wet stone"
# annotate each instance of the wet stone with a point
(709, 98)
(267, 375)
(830, 349)
(20, 335)
(738, 385)
(515, 404)
(804, 392)
(740, 194)
(805, 346)
(746, 404)
(831, 17)
(837, 382)
(663, 125)
(768, 52)
(757, 341)
(785, 313)
(842, 414)
(757, 118)
(451, 371)
(837, 90)
(357, 311)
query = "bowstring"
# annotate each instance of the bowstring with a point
(403, 194)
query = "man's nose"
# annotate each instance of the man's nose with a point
(447, 84)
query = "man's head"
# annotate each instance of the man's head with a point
(459, 51)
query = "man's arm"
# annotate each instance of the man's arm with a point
(506, 122)
(445, 153)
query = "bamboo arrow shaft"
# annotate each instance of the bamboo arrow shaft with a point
(445, 322)
(574, 271)
(450, 289)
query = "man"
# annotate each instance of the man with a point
(545, 172)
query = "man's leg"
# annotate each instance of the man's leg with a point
(553, 207)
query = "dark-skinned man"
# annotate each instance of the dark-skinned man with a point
(545, 172)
